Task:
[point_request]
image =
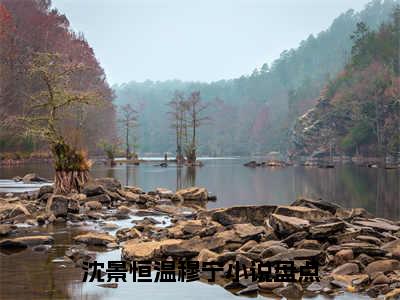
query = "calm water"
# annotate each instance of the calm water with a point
(376, 190)
(33, 275)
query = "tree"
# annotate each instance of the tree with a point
(110, 149)
(32, 26)
(128, 120)
(178, 109)
(195, 110)
(45, 109)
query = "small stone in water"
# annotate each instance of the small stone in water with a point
(108, 285)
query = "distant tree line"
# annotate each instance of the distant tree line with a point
(255, 113)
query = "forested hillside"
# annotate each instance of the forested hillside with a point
(254, 113)
(30, 29)
(359, 111)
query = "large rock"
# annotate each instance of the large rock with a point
(377, 224)
(259, 248)
(73, 205)
(26, 241)
(306, 213)
(324, 230)
(45, 189)
(284, 225)
(146, 199)
(134, 189)
(138, 250)
(248, 231)
(11, 210)
(323, 205)
(358, 248)
(299, 254)
(95, 238)
(295, 238)
(343, 256)
(92, 189)
(207, 255)
(255, 215)
(187, 229)
(128, 234)
(193, 194)
(291, 291)
(58, 205)
(175, 211)
(110, 184)
(268, 286)
(229, 236)
(129, 196)
(393, 247)
(384, 265)
(114, 196)
(347, 269)
(273, 250)
(102, 198)
(192, 247)
(164, 193)
(93, 205)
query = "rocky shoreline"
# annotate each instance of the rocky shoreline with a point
(356, 252)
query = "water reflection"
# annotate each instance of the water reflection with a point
(377, 190)
(189, 179)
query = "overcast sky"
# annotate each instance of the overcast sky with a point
(203, 40)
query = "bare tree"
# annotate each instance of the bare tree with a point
(128, 120)
(195, 108)
(178, 112)
(44, 111)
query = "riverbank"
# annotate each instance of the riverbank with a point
(355, 251)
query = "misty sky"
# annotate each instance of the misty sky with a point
(203, 40)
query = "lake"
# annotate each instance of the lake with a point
(349, 185)
(45, 275)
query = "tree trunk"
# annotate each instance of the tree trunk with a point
(70, 181)
(127, 142)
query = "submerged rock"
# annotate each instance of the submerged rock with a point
(26, 241)
(252, 164)
(33, 178)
